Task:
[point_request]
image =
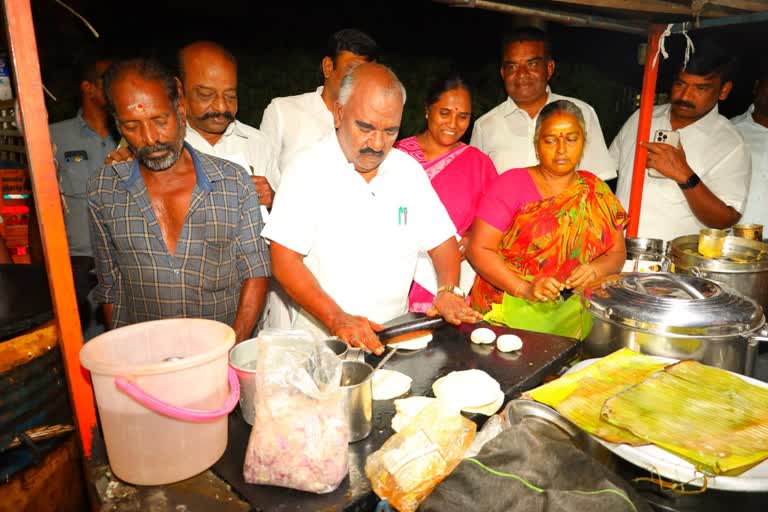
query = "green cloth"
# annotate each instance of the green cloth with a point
(562, 317)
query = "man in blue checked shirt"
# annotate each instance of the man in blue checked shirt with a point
(176, 233)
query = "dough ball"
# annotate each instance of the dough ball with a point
(483, 336)
(509, 343)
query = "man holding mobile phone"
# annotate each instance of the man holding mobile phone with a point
(708, 172)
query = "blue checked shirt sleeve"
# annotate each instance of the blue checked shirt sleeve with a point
(107, 271)
(253, 251)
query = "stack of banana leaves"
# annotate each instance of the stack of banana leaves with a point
(708, 416)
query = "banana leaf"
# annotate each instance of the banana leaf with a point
(707, 416)
(579, 396)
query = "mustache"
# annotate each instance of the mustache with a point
(683, 103)
(229, 116)
(147, 150)
(369, 151)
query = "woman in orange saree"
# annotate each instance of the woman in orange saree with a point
(544, 229)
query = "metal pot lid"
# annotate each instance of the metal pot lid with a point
(739, 255)
(666, 303)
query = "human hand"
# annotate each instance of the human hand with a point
(358, 331)
(582, 276)
(264, 190)
(668, 160)
(453, 309)
(463, 243)
(119, 155)
(543, 290)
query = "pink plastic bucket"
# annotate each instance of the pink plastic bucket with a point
(163, 391)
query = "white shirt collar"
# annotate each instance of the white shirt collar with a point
(232, 129)
(747, 119)
(333, 140)
(706, 124)
(511, 105)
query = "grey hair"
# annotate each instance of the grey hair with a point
(557, 107)
(348, 84)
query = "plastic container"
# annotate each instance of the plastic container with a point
(242, 359)
(162, 395)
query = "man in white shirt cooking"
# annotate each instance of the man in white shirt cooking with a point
(352, 215)
(294, 122)
(506, 133)
(702, 182)
(753, 126)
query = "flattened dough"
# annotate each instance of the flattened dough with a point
(488, 409)
(414, 344)
(389, 384)
(469, 388)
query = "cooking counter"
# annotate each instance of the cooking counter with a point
(449, 351)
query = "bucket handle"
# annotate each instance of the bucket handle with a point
(155, 404)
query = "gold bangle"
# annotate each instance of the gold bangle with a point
(517, 289)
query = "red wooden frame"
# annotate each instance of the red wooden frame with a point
(647, 96)
(34, 121)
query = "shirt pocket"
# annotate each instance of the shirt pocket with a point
(219, 269)
(73, 179)
(397, 234)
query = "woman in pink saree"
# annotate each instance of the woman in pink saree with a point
(460, 174)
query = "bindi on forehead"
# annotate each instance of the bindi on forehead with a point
(138, 107)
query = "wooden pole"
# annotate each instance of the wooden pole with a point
(647, 96)
(34, 121)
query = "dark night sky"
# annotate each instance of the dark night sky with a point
(288, 38)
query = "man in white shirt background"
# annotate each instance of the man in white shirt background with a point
(293, 122)
(352, 215)
(703, 181)
(208, 75)
(753, 126)
(506, 132)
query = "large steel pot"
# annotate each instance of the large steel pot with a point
(644, 248)
(743, 265)
(675, 315)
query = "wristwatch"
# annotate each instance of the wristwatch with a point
(453, 289)
(691, 182)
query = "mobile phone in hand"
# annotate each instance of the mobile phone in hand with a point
(670, 137)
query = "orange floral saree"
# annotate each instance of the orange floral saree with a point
(553, 236)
